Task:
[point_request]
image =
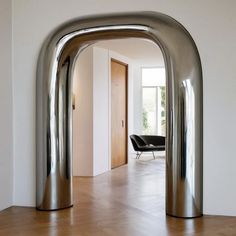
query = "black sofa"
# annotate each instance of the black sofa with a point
(147, 143)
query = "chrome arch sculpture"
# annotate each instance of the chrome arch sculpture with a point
(184, 106)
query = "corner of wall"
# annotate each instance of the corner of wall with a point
(6, 106)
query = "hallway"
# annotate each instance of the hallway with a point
(127, 201)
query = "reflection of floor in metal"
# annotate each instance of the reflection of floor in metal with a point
(127, 201)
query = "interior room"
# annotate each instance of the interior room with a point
(92, 124)
(129, 199)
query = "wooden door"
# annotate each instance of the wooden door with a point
(118, 113)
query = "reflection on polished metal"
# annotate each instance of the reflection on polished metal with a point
(184, 106)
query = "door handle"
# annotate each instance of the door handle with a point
(123, 123)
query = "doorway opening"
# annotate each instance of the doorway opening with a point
(94, 115)
(105, 182)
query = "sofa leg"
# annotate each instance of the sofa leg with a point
(138, 154)
(153, 155)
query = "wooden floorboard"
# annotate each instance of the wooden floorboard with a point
(127, 201)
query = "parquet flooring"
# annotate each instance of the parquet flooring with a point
(127, 201)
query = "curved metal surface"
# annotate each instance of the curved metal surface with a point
(184, 106)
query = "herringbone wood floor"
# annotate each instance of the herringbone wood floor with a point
(127, 201)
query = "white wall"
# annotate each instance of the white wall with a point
(100, 111)
(83, 115)
(137, 94)
(91, 120)
(6, 120)
(211, 24)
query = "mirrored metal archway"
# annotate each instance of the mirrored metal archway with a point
(184, 106)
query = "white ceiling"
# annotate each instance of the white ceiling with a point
(143, 51)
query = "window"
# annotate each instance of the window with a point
(153, 101)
